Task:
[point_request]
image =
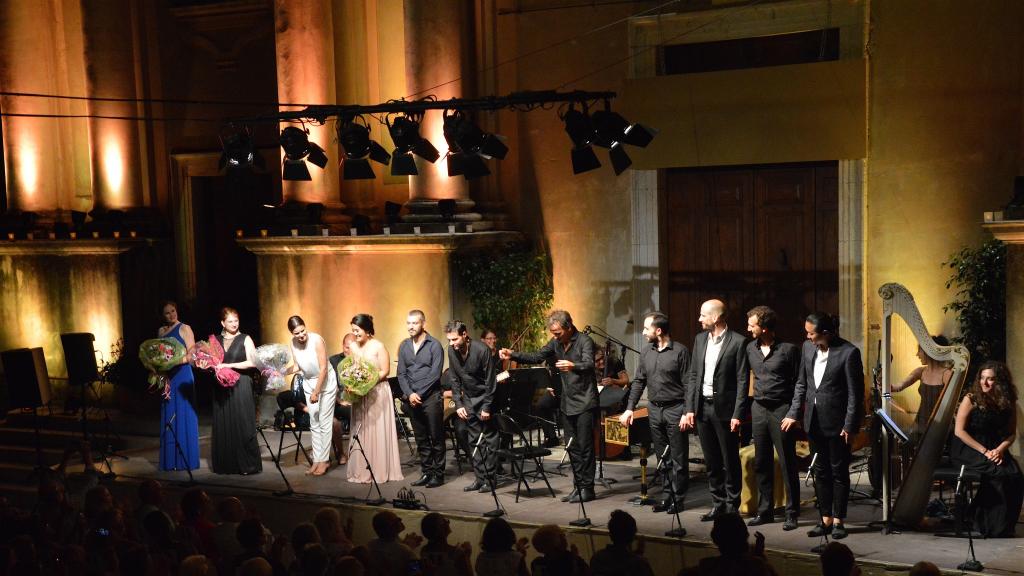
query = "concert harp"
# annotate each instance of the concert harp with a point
(909, 470)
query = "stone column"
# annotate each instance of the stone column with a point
(1012, 233)
(39, 168)
(436, 52)
(305, 74)
(115, 148)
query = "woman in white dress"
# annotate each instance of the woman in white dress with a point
(320, 385)
(373, 416)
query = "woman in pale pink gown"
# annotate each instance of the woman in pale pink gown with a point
(373, 416)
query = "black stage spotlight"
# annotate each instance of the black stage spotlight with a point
(581, 131)
(405, 132)
(298, 149)
(611, 127)
(354, 137)
(620, 160)
(238, 148)
(468, 146)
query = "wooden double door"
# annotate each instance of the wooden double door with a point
(749, 236)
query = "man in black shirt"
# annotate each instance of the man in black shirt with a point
(775, 366)
(662, 371)
(420, 360)
(571, 354)
(471, 371)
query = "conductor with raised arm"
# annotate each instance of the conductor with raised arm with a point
(830, 390)
(571, 354)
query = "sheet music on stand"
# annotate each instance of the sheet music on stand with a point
(518, 394)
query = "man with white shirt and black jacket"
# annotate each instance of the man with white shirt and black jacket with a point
(420, 360)
(775, 365)
(571, 354)
(717, 387)
(471, 372)
(662, 371)
(830, 390)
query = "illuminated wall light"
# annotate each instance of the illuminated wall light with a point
(28, 166)
(113, 171)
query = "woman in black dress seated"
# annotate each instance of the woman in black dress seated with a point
(235, 449)
(986, 426)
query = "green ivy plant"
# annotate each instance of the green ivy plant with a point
(979, 277)
(511, 291)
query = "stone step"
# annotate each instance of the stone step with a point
(21, 454)
(55, 439)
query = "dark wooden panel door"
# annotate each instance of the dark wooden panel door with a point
(749, 236)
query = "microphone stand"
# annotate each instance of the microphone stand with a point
(379, 500)
(582, 520)
(597, 330)
(169, 427)
(972, 564)
(277, 462)
(676, 530)
(491, 476)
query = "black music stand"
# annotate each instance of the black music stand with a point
(893, 430)
(28, 387)
(80, 361)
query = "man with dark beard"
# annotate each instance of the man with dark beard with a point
(471, 371)
(420, 360)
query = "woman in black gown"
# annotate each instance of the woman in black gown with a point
(235, 448)
(986, 426)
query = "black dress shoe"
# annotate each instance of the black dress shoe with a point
(819, 531)
(790, 523)
(674, 507)
(839, 531)
(435, 481)
(569, 497)
(422, 481)
(474, 487)
(710, 516)
(486, 488)
(551, 442)
(660, 506)
(585, 494)
(761, 519)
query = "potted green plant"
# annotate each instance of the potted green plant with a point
(979, 303)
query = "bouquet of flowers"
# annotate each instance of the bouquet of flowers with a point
(358, 376)
(271, 360)
(206, 355)
(159, 355)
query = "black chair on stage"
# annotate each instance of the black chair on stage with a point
(297, 422)
(401, 418)
(516, 448)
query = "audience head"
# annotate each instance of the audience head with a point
(302, 535)
(549, 539)
(195, 504)
(925, 568)
(837, 560)
(230, 509)
(328, 522)
(314, 560)
(349, 566)
(151, 492)
(435, 527)
(730, 534)
(97, 500)
(621, 528)
(159, 527)
(250, 534)
(196, 565)
(498, 536)
(387, 525)
(255, 567)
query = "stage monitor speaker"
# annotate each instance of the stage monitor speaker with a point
(28, 382)
(80, 357)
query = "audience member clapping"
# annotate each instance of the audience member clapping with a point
(837, 560)
(391, 556)
(619, 558)
(336, 540)
(500, 553)
(440, 558)
(556, 557)
(735, 556)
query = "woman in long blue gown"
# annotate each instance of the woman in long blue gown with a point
(177, 412)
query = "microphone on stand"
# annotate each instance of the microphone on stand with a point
(477, 445)
(569, 443)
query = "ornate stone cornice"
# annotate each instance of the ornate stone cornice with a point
(83, 247)
(376, 244)
(1009, 231)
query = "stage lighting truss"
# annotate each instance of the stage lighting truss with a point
(359, 149)
(469, 146)
(297, 149)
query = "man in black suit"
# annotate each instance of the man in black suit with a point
(717, 403)
(830, 390)
(471, 371)
(571, 354)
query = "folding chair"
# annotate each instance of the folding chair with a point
(517, 455)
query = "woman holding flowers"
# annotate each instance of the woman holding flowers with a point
(320, 386)
(234, 448)
(373, 407)
(177, 412)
